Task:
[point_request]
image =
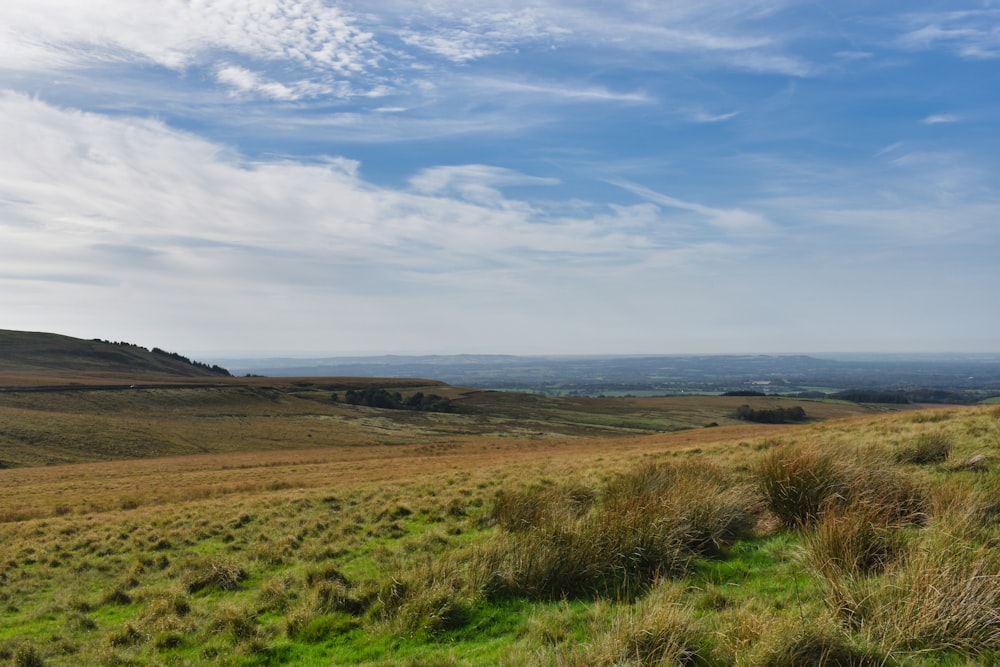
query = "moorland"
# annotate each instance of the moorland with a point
(156, 516)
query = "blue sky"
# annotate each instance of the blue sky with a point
(237, 177)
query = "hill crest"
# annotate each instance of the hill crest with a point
(47, 353)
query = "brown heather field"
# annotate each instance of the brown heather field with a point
(47, 420)
(284, 528)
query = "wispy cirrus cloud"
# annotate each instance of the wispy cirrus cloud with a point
(885, 150)
(715, 31)
(477, 183)
(243, 81)
(128, 186)
(940, 119)
(705, 117)
(552, 90)
(732, 220)
(973, 34)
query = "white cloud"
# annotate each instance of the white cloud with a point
(290, 50)
(139, 213)
(176, 34)
(734, 220)
(940, 118)
(972, 34)
(126, 228)
(464, 32)
(476, 183)
(704, 117)
(719, 31)
(87, 194)
(895, 146)
(244, 81)
(545, 90)
(455, 44)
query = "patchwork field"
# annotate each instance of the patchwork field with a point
(314, 532)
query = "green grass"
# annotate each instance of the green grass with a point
(657, 556)
(260, 414)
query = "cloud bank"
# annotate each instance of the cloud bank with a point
(284, 175)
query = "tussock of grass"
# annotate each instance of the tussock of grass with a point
(26, 655)
(165, 611)
(816, 642)
(925, 449)
(945, 594)
(658, 630)
(802, 483)
(646, 523)
(856, 539)
(214, 574)
(238, 622)
(521, 509)
(797, 483)
(971, 511)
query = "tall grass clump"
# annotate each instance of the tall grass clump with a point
(425, 595)
(926, 448)
(814, 641)
(849, 543)
(943, 595)
(213, 574)
(856, 539)
(26, 655)
(801, 484)
(521, 509)
(645, 524)
(657, 630)
(798, 482)
(709, 503)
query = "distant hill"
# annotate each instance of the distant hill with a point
(33, 352)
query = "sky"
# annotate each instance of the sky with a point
(265, 177)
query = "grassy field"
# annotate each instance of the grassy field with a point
(353, 536)
(253, 414)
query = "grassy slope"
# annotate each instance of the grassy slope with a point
(291, 557)
(252, 414)
(24, 355)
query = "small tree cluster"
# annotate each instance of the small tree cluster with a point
(382, 398)
(771, 416)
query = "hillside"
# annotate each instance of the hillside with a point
(24, 354)
(75, 424)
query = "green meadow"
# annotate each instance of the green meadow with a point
(871, 539)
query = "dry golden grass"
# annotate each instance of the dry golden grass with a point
(231, 558)
(254, 414)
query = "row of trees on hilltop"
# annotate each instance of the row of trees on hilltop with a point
(214, 368)
(382, 398)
